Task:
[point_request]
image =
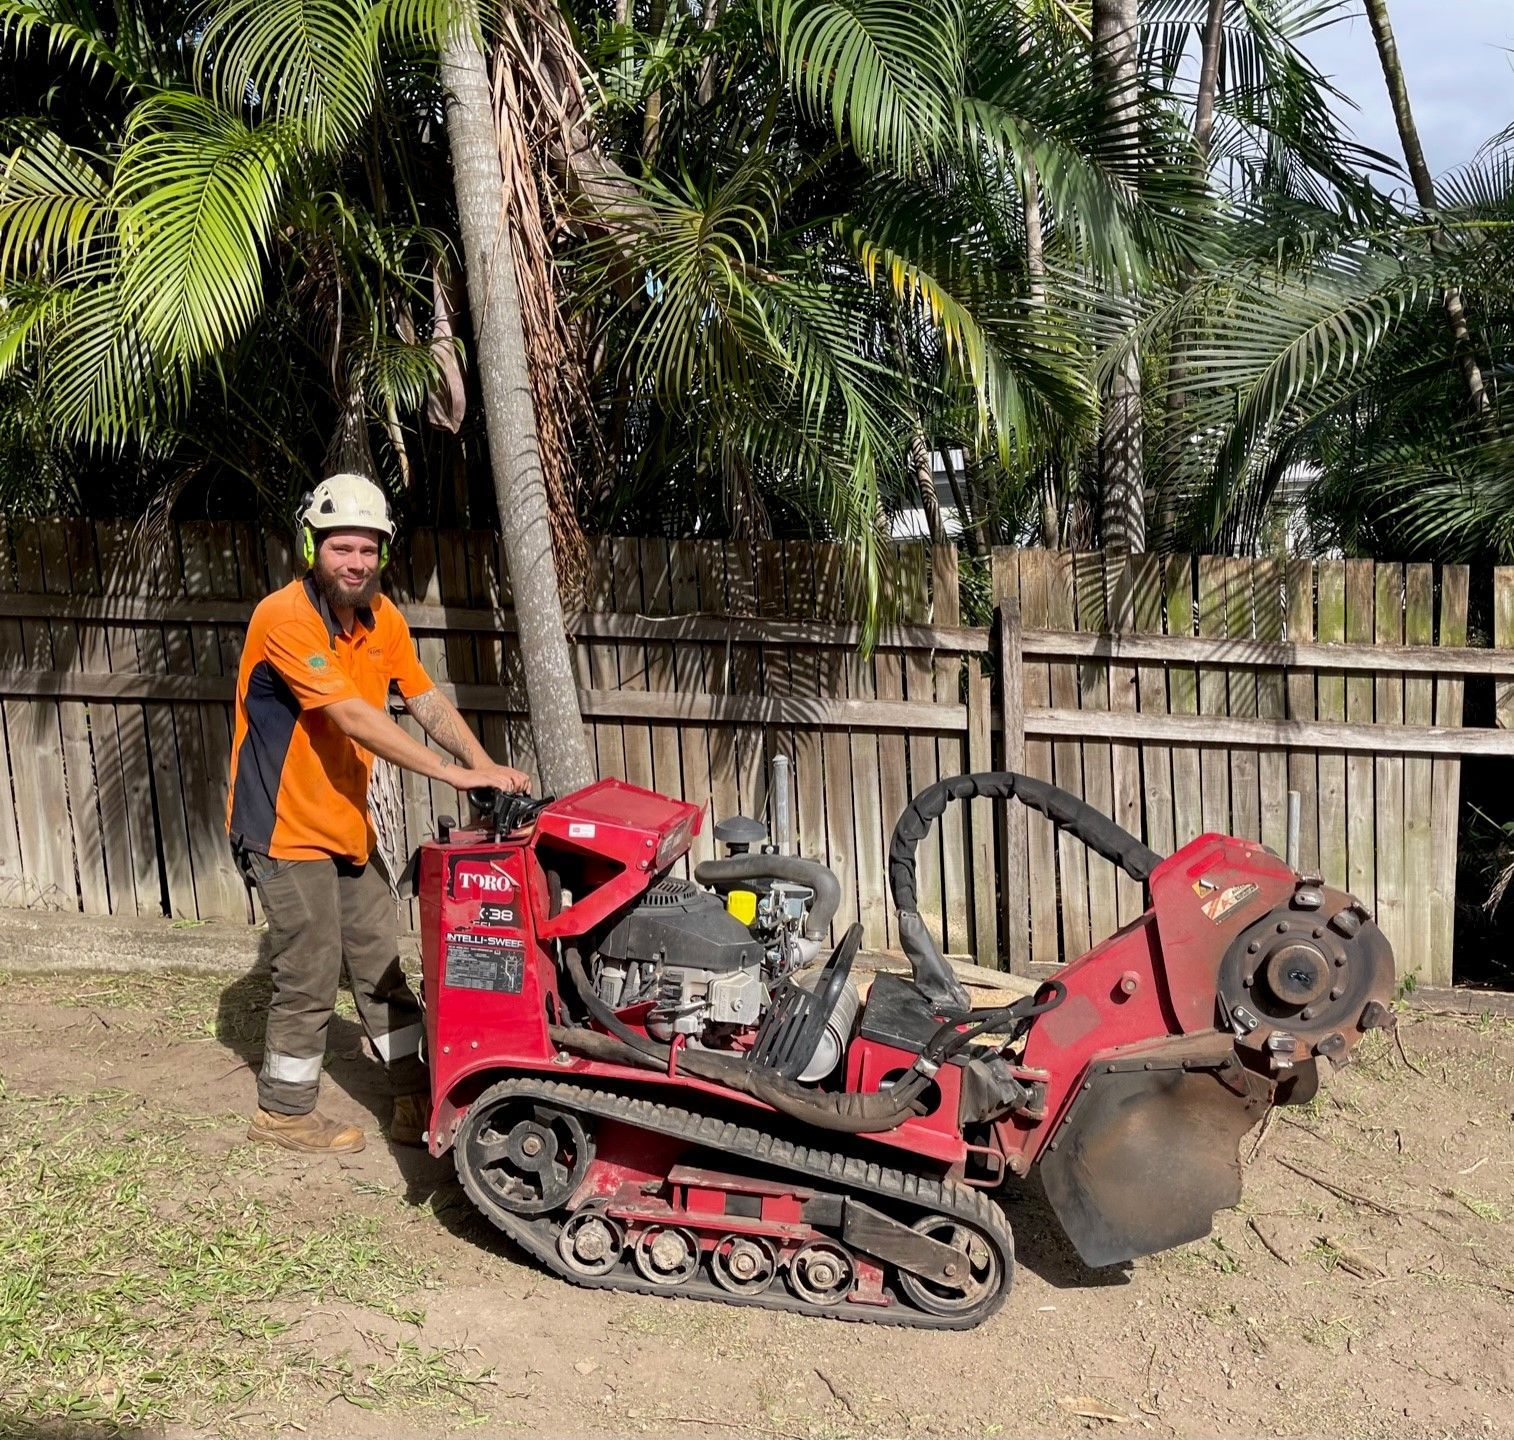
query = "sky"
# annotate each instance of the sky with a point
(1456, 57)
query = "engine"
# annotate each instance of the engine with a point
(707, 960)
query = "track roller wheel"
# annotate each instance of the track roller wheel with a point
(822, 1273)
(666, 1255)
(591, 1243)
(981, 1272)
(744, 1264)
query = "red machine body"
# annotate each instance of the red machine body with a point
(1171, 1039)
(489, 920)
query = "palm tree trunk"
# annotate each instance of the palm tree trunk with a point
(1035, 237)
(1209, 78)
(965, 497)
(1424, 189)
(713, 9)
(925, 483)
(1177, 373)
(651, 124)
(1116, 37)
(520, 489)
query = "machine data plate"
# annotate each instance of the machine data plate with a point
(485, 962)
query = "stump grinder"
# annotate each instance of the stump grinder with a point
(650, 1084)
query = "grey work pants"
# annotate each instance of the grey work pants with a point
(323, 914)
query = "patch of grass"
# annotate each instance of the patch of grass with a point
(416, 1376)
(1222, 1257)
(1483, 1209)
(140, 1287)
(185, 1006)
(1324, 1254)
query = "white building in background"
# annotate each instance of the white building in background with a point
(912, 524)
(1287, 511)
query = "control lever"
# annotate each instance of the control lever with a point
(502, 812)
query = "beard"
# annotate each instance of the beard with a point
(346, 597)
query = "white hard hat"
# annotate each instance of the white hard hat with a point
(347, 502)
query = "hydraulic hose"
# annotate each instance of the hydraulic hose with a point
(847, 1112)
(1065, 811)
(734, 869)
(1012, 1020)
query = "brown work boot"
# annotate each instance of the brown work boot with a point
(312, 1134)
(411, 1115)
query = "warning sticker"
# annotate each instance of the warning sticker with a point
(474, 967)
(1221, 902)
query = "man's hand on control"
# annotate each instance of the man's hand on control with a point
(494, 777)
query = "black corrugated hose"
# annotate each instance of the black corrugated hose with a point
(849, 1112)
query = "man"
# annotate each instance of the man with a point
(316, 669)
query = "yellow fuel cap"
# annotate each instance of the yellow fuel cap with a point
(742, 904)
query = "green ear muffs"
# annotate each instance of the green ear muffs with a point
(307, 548)
(308, 540)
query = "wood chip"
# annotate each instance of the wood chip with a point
(1090, 1407)
(1352, 1261)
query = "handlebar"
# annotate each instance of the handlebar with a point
(504, 812)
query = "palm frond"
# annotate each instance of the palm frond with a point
(73, 32)
(200, 191)
(100, 383)
(882, 71)
(312, 63)
(53, 201)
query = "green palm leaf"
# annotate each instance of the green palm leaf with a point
(100, 384)
(200, 191)
(53, 202)
(313, 63)
(28, 313)
(883, 71)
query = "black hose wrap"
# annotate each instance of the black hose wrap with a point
(847, 1112)
(730, 872)
(1097, 831)
(1065, 811)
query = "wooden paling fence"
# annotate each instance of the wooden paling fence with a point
(1176, 693)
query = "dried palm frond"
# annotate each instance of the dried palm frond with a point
(554, 350)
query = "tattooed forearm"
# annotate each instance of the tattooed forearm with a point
(438, 717)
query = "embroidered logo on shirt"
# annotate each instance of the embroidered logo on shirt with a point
(317, 662)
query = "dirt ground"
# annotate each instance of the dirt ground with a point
(158, 1275)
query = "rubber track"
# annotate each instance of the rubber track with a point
(538, 1235)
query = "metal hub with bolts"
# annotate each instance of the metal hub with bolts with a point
(666, 1254)
(1296, 981)
(591, 1243)
(744, 1264)
(528, 1159)
(821, 1273)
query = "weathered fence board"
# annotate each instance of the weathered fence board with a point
(1253, 678)
(1445, 785)
(1174, 692)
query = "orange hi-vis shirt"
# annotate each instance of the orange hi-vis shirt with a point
(299, 786)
